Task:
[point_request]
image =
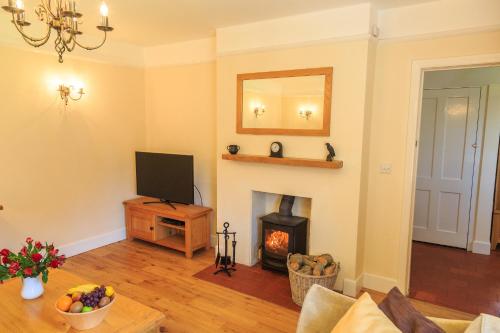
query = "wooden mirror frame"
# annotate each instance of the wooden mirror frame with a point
(325, 131)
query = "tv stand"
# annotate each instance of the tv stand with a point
(162, 201)
(185, 228)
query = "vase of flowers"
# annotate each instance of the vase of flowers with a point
(32, 264)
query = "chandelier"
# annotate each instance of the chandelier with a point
(60, 16)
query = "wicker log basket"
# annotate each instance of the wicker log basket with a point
(300, 282)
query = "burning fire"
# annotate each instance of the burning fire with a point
(277, 241)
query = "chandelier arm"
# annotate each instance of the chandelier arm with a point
(70, 38)
(90, 48)
(48, 7)
(71, 47)
(41, 40)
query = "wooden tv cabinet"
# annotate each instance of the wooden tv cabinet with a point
(185, 229)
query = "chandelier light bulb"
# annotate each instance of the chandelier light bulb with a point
(104, 9)
(61, 18)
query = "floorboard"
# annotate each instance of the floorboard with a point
(163, 279)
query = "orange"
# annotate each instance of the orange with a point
(64, 303)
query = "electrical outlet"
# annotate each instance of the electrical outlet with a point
(386, 168)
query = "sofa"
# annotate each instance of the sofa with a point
(322, 309)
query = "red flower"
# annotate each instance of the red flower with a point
(5, 261)
(36, 257)
(54, 264)
(14, 267)
(4, 252)
(28, 271)
(53, 252)
(38, 245)
(29, 240)
(24, 251)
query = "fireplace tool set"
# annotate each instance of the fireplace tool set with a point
(224, 262)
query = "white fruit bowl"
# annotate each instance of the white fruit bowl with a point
(87, 320)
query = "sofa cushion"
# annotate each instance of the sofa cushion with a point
(484, 324)
(365, 317)
(451, 325)
(322, 309)
(402, 313)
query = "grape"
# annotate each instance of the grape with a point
(92, 299)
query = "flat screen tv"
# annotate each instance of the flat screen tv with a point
(167, 177)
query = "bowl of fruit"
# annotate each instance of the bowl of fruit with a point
(85, 307)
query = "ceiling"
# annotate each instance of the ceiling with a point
(156, 22)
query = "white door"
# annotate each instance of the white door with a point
(445, 166)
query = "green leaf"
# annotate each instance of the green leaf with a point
(45, 276)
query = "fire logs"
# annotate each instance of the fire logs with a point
(313, 265)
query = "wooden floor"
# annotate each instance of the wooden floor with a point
(162, 279)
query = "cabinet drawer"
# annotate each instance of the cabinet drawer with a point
(141, 225)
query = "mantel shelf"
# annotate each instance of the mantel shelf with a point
(291, 161)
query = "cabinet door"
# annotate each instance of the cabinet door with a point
(141, 225)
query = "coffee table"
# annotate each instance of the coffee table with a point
(40, 315)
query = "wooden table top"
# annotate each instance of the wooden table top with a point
(182, 211)
(40, 315)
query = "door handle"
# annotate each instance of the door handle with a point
(151, 228)
(474, 146)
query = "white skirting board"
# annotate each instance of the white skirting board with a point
(378, 283)
(382, 284)
(481, 247)
(352, 287)
(87, 244)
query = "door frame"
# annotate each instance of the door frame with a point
(419, 67)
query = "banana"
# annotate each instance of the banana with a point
(84, 288)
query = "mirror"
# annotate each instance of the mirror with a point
(293, 102)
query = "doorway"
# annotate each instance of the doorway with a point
(454, 191)
(445, 173)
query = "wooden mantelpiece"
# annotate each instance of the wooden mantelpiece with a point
(291, 161)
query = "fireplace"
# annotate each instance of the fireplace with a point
(282, 233)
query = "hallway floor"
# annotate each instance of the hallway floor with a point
(456, 278)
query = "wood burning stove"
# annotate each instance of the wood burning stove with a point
(282, 234)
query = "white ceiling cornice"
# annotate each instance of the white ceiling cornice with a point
(438, 18)
(190, 52)
(111, 52)
(328, 25)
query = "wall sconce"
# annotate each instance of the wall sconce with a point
(304, 113)
(70, 92)
(259, 110)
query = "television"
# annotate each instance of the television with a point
(167, 177)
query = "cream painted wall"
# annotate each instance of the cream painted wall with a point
(180, 118)
(64, 173)
(458, 78)
(335, 193)
(388, 141)
(360, 242)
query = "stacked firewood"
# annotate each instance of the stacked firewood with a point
(312, 265)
